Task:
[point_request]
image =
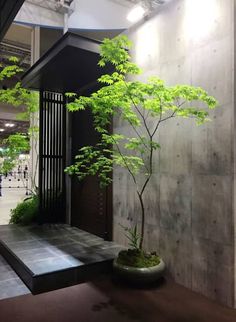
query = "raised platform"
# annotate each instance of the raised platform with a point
(49, 257)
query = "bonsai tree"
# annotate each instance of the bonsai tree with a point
(144, 107)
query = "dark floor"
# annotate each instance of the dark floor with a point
(105, 301)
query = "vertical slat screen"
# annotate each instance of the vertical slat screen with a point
(52, 157)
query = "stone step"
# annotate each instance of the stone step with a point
(49, 257)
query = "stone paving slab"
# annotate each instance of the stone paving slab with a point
(10, 284)
(43, 250)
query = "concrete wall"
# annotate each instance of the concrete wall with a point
(190, 200)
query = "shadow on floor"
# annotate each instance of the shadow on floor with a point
(106, 301)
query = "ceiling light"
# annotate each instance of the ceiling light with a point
(2, 130)
(136, 14)
(9, 124)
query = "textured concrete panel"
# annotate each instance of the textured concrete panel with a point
(189, 203)
(177, 71)
(176, 251)
(212, 144)
(211, 208)
(212, 272)
(173, 44)
(152, 201)
(203, 25)
(152, 238)
(147, 44)
(175, 204)
(123, 202)
(176, 146)
(214, 74)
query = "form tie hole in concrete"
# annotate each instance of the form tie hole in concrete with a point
(178, 155)
(214, 184)
(214, 221)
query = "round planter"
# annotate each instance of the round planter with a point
(137, 275)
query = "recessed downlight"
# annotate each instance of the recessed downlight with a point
(136, 14)
(2, 130)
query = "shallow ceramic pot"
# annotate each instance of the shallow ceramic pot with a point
(137, 275)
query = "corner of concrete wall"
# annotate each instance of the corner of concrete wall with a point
(234, 143)
(191, 200)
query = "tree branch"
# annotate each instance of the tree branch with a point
(126, 164)
(137, 109)
(136, 131)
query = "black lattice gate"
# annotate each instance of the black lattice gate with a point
(52, 157)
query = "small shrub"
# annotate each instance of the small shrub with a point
(137, 258)
(25, 212)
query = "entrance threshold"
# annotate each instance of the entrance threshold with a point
(54, 256)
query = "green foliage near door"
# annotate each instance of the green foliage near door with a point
(142, 107)
(15, 144)
(17, 96)
(26, 211)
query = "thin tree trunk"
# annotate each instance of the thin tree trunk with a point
(142, 220)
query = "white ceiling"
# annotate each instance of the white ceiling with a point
(92, 18)
(99, 14)
(86, 14)
(106, 18)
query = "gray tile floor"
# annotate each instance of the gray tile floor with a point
(50, 248)
(10, 284)
(9, 200)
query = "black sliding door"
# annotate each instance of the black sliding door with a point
(52, 157)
